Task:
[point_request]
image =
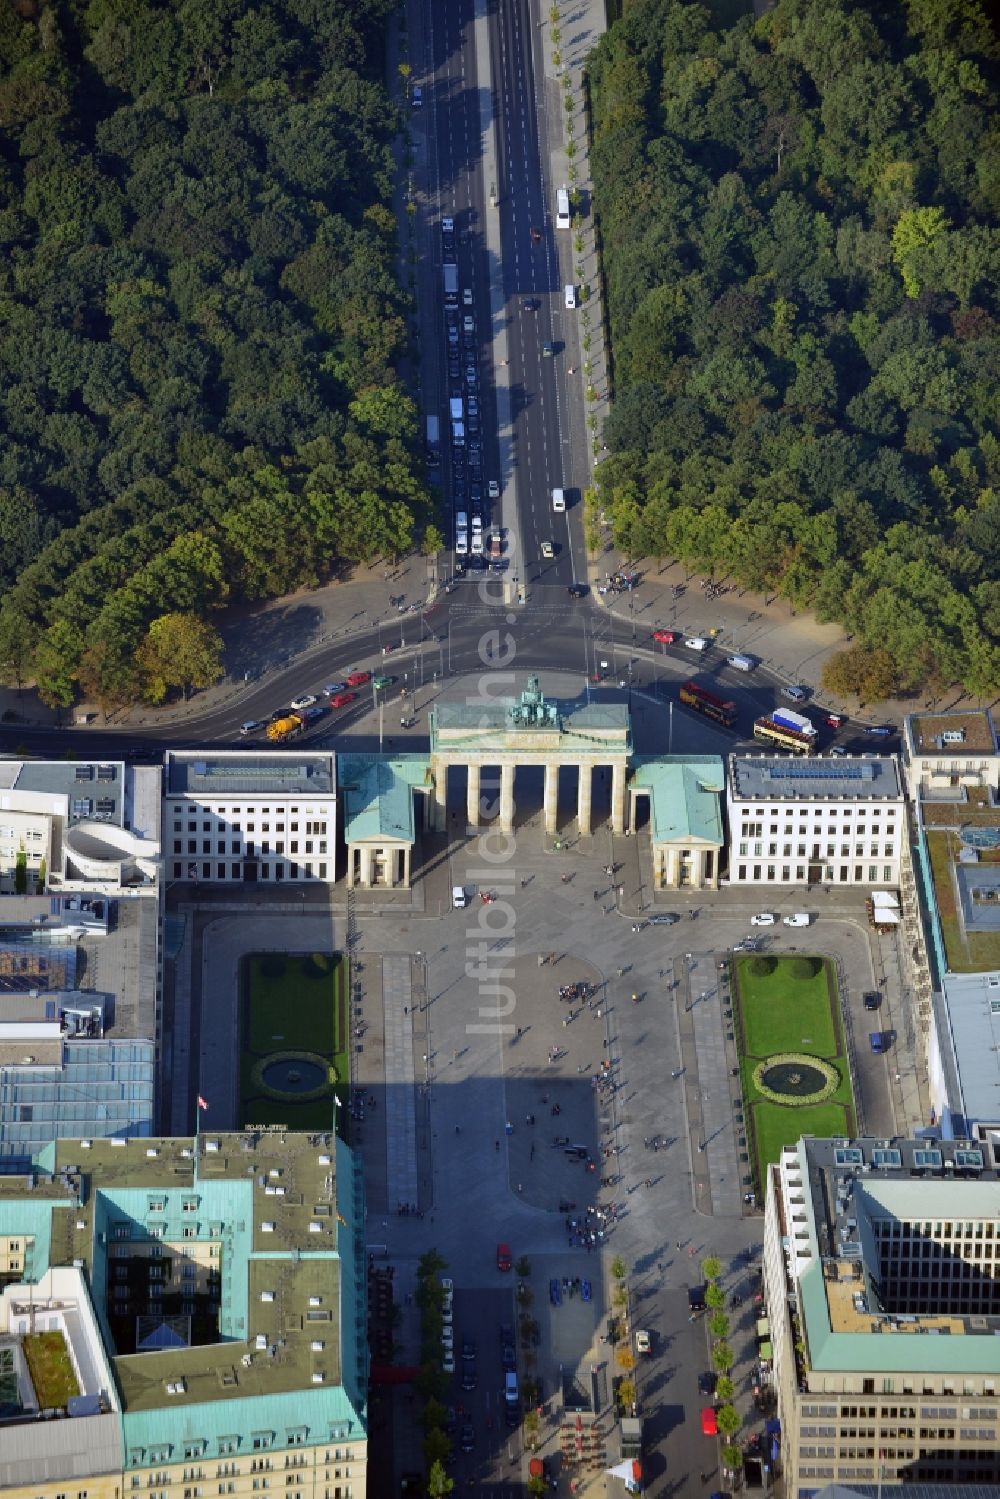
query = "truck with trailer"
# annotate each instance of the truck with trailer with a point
(285, 728)
(793, 720)
(769, 731)
(450, 285)
(433, 440)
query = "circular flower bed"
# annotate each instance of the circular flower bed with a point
(300, 1095)
(794, 1078)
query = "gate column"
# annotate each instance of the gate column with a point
(472, 797)
(551, 798)
(507, 798)
(583, 798)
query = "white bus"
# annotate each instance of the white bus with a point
(562, 209)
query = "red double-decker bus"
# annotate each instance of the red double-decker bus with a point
(702, 701)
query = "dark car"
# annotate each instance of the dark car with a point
(508, 1357)
(881, 730)
(311, 714)
(707, 1383)
(531, 304)
(450, 1421)
(872, 999)
(468, 1347)
(469, 1376)
(468, 1438)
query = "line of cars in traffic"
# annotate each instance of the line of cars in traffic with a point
(473, 547)
(309, 707)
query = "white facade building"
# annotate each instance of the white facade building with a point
(239, 816)
(815, 821)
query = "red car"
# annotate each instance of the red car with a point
(709, 1425)
(341, 699)
(504, 1261)
(666, 637)
(359, 678)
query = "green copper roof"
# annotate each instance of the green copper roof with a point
(685, 796)
(377, 795)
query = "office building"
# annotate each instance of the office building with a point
(243, 816)
(79, 952)
(882, 1289)
(190, 1314)
(815, 821)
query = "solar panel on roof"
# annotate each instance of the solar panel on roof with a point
(810, 770)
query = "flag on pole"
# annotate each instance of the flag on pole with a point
(201, 1102)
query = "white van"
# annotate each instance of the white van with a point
(559, 501)
(569, 298)
(697, 643)
(459, 900)
(741, 663)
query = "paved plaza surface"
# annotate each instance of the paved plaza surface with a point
(461, 1127)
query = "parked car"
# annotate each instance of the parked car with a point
(764, 918)
(493, 489)
(707, 1382)
(880, 730)
(799, 918)
(504, 1261)
(448, 1361)
(305, 701)
(643, 1341)
(459, 898)
(417, 96)
(468, 1440)
(709, 1424)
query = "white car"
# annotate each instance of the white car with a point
(447, 1285)
(799, 918)
(305, 701)
(448, 1337)
(764, 918)
(448, 1361)
(252, 725)
(493, 489)
(794, 694)
(696, 643)
(467, 297)
(643, 1342)
(459, 898)
(417, 96)
(447, 1315)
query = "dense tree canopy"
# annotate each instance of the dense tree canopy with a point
(199, 319)
(803, 269)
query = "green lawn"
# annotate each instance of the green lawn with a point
(293, 1004)
(780, 1012)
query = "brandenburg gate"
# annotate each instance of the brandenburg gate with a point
(529, 731)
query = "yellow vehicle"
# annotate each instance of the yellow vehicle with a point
(285, 728)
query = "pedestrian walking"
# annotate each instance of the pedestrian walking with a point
(604, 1044)
(648, 1182)
(497, 1143)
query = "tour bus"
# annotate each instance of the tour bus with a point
(770, 732)
(693, 696)
(562, 209)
